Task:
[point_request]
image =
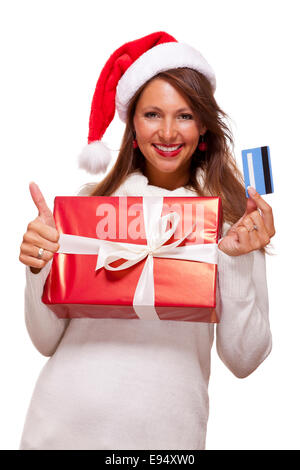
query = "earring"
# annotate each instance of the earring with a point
(202, 144)
(134, 142)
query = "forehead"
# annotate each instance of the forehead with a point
(161, 93)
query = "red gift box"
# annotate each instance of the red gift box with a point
(134, 257)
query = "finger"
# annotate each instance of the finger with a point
(32, 261)
(41, 204)
(261, 231)
(38, 198)
(248, 223)
(33, 238)
(265, 208)
(243, 238)
(248, 241)
(33, 251)
(234, 226)
(49, 233)
(255, 239)
(258, 236)
(251, 206)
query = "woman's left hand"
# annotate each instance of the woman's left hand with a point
(253, 230)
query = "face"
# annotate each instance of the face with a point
(167, 131)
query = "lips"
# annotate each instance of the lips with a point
(168, 150)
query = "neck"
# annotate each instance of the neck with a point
(169, 181)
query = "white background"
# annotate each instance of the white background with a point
(52, 53)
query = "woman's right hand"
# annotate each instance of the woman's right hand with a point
(41, 233)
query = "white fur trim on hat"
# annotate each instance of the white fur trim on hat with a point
(157, 59)
(95, 157)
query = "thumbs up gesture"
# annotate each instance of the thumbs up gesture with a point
(40, 241)
(253, 230)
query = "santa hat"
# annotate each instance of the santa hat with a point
(127, 69)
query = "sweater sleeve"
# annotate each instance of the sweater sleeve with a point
(44, 327)
(243, 336)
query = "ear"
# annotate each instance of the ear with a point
(202, 129)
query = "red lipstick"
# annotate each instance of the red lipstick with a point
(172, 153)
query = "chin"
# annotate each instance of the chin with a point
(167, 168)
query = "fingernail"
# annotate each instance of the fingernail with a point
(251, 190)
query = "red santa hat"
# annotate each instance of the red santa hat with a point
(127, 69)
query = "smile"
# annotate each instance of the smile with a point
(168, 150)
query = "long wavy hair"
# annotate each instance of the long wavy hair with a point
(221, 175)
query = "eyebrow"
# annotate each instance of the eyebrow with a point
(181, 110)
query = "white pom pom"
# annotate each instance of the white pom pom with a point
(95, 157)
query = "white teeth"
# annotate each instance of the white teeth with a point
(167, 149)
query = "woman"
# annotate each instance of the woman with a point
(115, 384)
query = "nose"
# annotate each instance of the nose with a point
(168, 130)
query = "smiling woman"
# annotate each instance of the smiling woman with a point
(138, 384)
(177, 106)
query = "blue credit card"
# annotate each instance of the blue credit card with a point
(257, 170)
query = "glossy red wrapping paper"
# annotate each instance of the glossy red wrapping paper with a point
(184, 290)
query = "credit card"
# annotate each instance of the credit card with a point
(257, 170)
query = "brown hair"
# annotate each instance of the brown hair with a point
(222, 176)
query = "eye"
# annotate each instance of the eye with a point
(150, 114)
(186, 117)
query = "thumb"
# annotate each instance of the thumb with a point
(39, 200)
(250, 207)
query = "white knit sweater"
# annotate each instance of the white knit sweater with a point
(134, 384)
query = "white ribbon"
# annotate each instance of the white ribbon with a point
(157, 236)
